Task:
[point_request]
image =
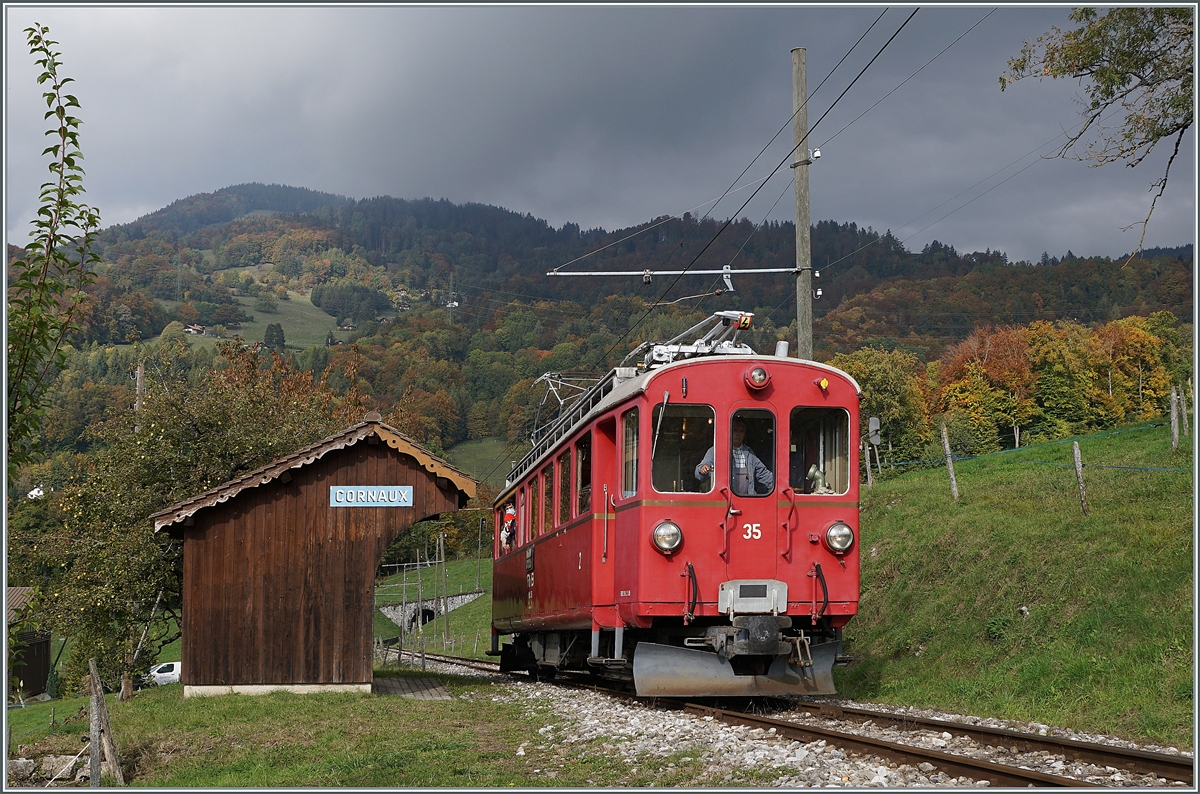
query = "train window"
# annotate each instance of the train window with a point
(507, 534)
(564, 487)
(820, 450)
(583, 475)
(548, 499)
(522, 517)
(534, 510)
(682, 436)
(751, 453)
(629, 469)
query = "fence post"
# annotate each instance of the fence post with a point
(949, 463)
(1174, 421)
(1183, 409)
(108, 742)
(862, 446)
(94, 730)
(1079, 477)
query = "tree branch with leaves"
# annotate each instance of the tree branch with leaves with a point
(46, 284)
(1137, 59)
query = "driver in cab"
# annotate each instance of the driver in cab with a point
(747, 471)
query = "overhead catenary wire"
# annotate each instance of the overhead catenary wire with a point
(962, 192)
(781, 164)
(911, 76)
(731, 188)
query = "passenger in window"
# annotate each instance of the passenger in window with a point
(508, 530)
(748, 474)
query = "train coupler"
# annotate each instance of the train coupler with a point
(801, 655)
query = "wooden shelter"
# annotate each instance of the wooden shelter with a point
(279, 564)
(33, 668)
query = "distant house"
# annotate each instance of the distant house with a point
(34, 666)
(404, 306)
(194, 329)
(349, 327)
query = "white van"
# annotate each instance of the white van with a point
(164, 673)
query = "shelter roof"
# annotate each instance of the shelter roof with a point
(17, 599)
(184, 510)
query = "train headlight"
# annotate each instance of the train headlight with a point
(667, 537)
(839, 538)
(757, 377)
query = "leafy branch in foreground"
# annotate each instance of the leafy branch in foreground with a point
(46, 284)
(1139, 59)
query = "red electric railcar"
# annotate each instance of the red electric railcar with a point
(690, 523)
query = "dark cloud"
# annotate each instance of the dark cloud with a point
(598, 116)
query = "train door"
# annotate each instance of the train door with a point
(748, 485)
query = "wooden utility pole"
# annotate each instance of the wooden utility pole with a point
(1087, 511)
(800, 163)
(949, 463)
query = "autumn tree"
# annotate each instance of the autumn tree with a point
(111, 583)
(892, 384)
(1139, 59)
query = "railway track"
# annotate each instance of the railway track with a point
(1016, 744)
(1170, 767)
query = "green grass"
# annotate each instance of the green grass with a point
(1107, 641)
(332, 739)
(478, 458)
(303, 324)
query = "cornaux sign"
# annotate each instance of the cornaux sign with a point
(370, 496)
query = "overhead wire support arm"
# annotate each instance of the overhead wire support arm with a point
(674, 272)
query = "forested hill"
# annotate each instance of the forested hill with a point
(874, 290)
(207, 209)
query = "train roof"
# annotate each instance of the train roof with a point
(621, 383)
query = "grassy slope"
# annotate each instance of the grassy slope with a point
(303, 324)
(1107, 643)
(466, 623)
(478, 458)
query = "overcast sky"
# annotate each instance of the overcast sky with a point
(598, 116)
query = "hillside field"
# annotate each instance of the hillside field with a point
(303, 324)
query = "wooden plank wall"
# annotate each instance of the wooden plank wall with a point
(278, 585)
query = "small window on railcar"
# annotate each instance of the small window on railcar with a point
(820, 450)
(682, 436)
(583, 475)
(564, 487)
(535, 512)
(548, 499)
(629, 468)
(522, 517)
(751, 464)
(506, 532)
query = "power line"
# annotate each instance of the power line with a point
(911, 76)
(999, 170)
(774, 171)
(731, 188)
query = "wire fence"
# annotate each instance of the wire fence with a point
(940, 460)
